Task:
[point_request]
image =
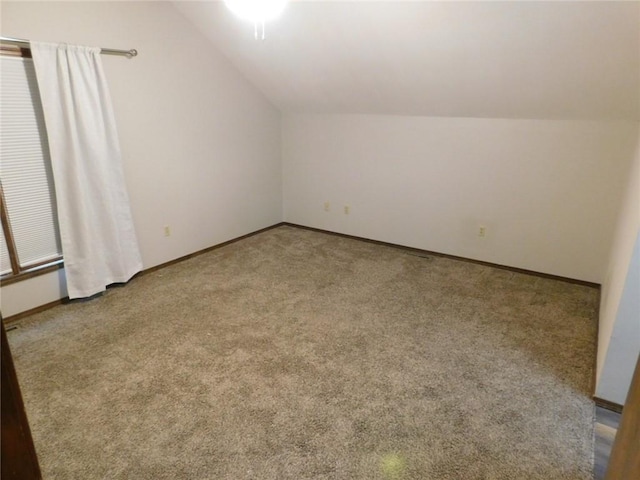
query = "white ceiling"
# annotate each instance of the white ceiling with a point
(554, 60)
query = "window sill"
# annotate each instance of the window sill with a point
(32, 272)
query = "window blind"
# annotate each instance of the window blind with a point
(25, 167)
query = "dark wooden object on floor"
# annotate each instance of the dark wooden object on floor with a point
(19, 460)
(624, 463)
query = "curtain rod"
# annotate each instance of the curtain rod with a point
(107, 51)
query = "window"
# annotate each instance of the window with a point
(30, 240)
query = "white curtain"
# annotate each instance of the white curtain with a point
(99, 243)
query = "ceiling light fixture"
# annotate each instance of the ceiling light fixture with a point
(257, 11)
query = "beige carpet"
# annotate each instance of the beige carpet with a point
(300, 355)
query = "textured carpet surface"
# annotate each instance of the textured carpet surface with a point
(300, 355)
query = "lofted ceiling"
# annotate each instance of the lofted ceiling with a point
(517, 59)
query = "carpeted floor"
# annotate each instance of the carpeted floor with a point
(298, 355)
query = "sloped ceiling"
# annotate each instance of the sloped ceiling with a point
(552, 60)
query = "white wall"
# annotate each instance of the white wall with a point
(201, 145)
(547, 191)
(619, 332)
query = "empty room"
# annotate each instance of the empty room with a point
(387, 240)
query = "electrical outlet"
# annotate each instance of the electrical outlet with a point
(347, 209)
(482, 232)
(167, 231)
(327, 206)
